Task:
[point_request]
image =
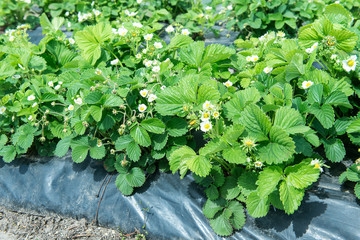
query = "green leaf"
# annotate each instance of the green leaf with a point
(177, 127)
(290, 120)
(257, 206)
(96, 112)
(325, 114)
(302, 146)
(153, 125)
(93, 97)
(302, 175)
(212, 207)
(110, 100)
(207, 93)
(232, 133)
(216, 52)
(238, 217)
(38, 63)
(296, 68)
(268, 180)
(213, 146)
(357, 190)
(334, 149)
(140, 135)
(212, 192)
(135, 177)
(122, 142)
(123, 185)
(221, 225)
(230, 189)
(233, 108)
(256, 122)
(247, 181)
(315, 94)
(91, 39)
(3, 140)
(62, 147)
(290, 197)
(98, 152)
(79, 153)
(338, 98)
(200, 165)
(235, 155)
(159, 141)
(179, 41)
(8, 153)
(279, 148)
(50, 27)
(133, 151)
(178, 159)
(338, 14)
(192, 53)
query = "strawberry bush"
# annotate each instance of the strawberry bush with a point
(273, 111)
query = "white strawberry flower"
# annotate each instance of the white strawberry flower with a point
(185, 32)
(122, 31)
(142, 108)
(163, 87)
(152, 97)
(2, 109)
(206, 105)
(156, 69)
(71, 41)
(57, 87)
(258, 164)
(148, 37)
(205, 116)
(280, 34)
(144, 51)
(99, 143)
(216, 114)
(78, 101)
(31, 98)
(96, 12)
(71, 107)
(139, 1)
(138, 25)
(138, 56)
(114, 62)
(144, 92)
(306, 84)
(34, 104)
(228, 83)
(268, 70)
(208, 8)
(248, 58)
(205, 126)
(169, 29)
(30, 118)
(11, 38)
(254, 58)
(230, 7)
(158, 45)
(148, 63)
(51, 84)
(350, 64)
(98, 72)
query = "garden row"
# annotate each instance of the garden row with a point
(274, 110)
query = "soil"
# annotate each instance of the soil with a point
(30, 225)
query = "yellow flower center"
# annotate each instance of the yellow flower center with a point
(249, 143)
(193, 122)
(351, 63)
(216, 114)
(206, 115)
(317, 165)
(207, 126)
(308, 84)
(142, 109)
